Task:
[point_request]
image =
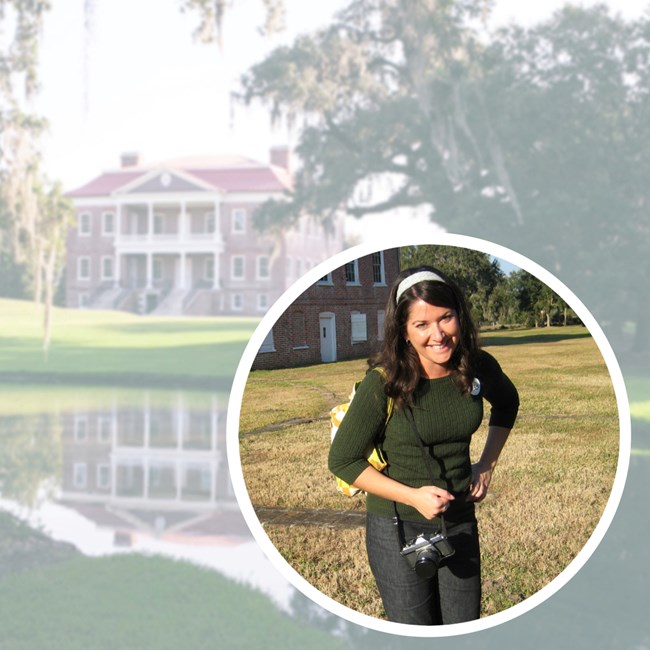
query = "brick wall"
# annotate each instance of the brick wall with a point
(297, 333)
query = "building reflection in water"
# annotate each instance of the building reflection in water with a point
(131, 471)
(152, 470)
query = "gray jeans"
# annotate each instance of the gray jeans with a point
(453, 595)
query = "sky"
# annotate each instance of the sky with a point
(142, 83)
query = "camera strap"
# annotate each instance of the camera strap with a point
(427, 462)
(427, 459)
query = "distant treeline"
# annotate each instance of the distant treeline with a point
(496, 299)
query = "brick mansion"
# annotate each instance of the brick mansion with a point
(178, 237)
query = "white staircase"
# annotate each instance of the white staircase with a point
(172, 304)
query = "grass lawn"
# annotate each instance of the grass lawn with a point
(120, 348)
(130, 602)
(543, 503)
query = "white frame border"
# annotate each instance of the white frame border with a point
(234, 409)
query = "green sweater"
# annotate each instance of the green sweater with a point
(446, 420)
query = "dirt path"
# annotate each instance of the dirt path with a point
(337, 519)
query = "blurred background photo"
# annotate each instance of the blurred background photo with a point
(168, 169)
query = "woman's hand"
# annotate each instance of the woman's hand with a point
(481, 477)
(430, 501)
(482, 471)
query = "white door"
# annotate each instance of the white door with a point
(327, 337)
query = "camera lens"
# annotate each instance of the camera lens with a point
(427, 563)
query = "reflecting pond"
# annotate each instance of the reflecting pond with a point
(114, 470)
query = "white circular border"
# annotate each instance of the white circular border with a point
(234, 409)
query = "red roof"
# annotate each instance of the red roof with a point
(224, 174)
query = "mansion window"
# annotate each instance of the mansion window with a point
(103, 476)
(210, 222)
(237, 302)
(352, 272)
(158, 224)
(263, 269)
(378, 272)
(237, 267)
(80, 428)
(104, 428)
(84, 224)
(262, 302)
(79, 475)
(83, 268)
(381, 316)
(359, 327)
(239, 220)
(107, 268)
(108, 223)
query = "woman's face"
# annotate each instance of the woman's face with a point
(434, 333)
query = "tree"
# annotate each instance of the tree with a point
(20, 130)
(30, 456)
(570, 99)
(474, 272)
(538, 304)
(528, 132)
(56, 214)
(35, 216)
(385, 94)
(212, 14)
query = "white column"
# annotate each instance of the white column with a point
(178, 469)
(118, 224)
(215, 279)
(213, 482)
(149, 270)
(145, 477)
(181, 275)
(150, 221)
(217, 221)
(146, 424)
(182, 222)
(117, 270)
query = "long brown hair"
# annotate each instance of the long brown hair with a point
(399, 360)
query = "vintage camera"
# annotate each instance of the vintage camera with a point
(425, 552)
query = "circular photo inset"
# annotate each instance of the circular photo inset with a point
(413, 435)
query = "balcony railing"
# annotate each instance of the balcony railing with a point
(169, 242)
(173, 236)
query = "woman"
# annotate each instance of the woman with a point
(433, 370)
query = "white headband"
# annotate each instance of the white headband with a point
(420, 276)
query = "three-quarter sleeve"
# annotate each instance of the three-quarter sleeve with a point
(499, 391)
(360, 429)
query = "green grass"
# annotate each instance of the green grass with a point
(115, 347)
(132, 602)
(543, 503)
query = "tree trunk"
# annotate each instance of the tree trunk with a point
(48, 273)
(38, 273)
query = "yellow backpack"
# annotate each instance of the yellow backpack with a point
(374, 455)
